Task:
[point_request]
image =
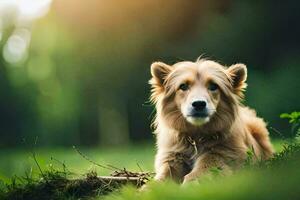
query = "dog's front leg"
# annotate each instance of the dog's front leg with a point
(170, 166)
(203, 164)
(163, 172)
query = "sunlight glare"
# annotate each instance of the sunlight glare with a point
(32, 9)
(15, 49)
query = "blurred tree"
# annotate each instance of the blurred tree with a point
(85, 79)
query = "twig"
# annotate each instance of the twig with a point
(119, 178)
(89, 160)
(116, 168)
(139, 166)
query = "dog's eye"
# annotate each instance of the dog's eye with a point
(213, 87)
(184, 87)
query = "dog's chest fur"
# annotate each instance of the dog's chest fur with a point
(190, 147)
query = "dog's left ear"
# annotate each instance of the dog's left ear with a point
(238, 75)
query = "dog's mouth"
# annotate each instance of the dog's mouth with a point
(198, 118)
(198, 115)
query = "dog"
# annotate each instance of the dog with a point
(200, 122)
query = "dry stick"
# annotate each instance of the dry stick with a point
(119, 178)
(139, 167)
(109, 167)
(128, 177)
(116, 168)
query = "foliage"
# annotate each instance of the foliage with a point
(293, 117)
(294, 120)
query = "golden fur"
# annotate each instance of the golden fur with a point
(188, 147)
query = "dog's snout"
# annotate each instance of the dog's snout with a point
(199, 105)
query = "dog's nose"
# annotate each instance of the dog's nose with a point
(199, 105)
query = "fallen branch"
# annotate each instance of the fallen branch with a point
(52, 185)
(58, 184)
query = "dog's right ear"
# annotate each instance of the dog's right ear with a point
(159, 72)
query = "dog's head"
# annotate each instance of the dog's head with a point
(196, 93)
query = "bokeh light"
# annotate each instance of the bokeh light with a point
(20, 14)
(76, 72)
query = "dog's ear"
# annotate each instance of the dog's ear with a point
(238, 75)
(159, 72)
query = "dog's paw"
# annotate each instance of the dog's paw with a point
(144, 188)
(189, 178)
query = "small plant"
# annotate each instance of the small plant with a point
(294, 120)
(251, 157)
(291, 149)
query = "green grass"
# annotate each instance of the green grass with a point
(278, 178)
(18, 161)
(279, 182)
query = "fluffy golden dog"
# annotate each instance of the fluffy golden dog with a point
(200, 122)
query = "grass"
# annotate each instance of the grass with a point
(278, 178)
(18, 161)
(279, 183)
(255, 181)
